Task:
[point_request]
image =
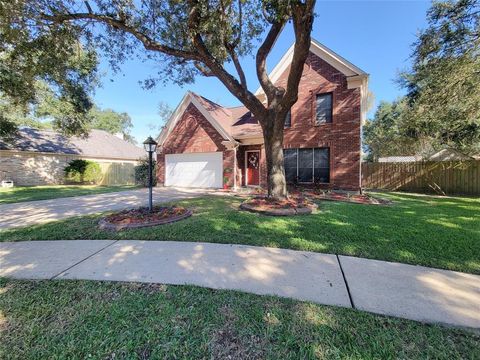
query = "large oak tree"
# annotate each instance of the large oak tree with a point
(190, 38)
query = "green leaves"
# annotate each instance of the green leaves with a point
(112, 121)
(387, 134)
(444, 83)
(47, 65)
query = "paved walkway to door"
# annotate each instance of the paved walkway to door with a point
(42, 211)
(406, 291)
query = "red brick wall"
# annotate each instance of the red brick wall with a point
(193, 134)
(342, 136)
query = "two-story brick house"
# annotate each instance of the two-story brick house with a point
(205, 144)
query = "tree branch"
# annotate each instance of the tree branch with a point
(205, 72)
(261, 60)
(202, 57)
(147, 42)
(303, 16)
(232, 84)
(238, 66)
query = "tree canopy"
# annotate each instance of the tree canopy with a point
(112, 122)
(442, 105)
(46, 65)
(444, 82)
(186, 39)
(383, 135)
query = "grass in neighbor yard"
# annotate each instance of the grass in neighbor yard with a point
(416, 229)
(80, 319)
(31, 193)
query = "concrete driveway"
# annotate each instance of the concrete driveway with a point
(39, 212)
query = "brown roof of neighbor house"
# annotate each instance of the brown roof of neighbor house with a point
(99, 144)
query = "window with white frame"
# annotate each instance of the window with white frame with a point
(307, 165)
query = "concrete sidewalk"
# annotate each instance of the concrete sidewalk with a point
(406, 291)
(42, 211)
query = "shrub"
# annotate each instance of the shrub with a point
(141, 173)
(83, 172)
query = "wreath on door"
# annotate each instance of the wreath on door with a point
(253, 160)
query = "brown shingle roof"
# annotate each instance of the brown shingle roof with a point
(236, 121)
(99, 143)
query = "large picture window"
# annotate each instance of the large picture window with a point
(321, 165)
(324, 109)
(307, 165)
(290, 163)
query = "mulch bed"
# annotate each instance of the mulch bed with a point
(342, 196)
(141, 217)
(294, 205)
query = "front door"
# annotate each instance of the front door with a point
(253, 167)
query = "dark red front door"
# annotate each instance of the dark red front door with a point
(253, 167)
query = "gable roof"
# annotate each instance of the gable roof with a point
(237, 122)
(217, 115)
(99, 144)
(324, 53)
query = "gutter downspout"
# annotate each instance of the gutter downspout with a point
(235, 166)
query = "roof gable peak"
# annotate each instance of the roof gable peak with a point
(324, 53)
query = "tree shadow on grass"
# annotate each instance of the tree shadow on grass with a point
(443, 233)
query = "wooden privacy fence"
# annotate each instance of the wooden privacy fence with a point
(446, 177)
(117, 173)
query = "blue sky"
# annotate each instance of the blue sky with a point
(374, 35)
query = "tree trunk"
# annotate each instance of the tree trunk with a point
(273, 140)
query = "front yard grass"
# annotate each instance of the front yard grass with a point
(31, 193)
(416, 229)
(81, 319)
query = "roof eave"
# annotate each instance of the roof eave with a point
(322, 52)
(188, 99)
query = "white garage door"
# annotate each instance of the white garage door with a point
(203, 170)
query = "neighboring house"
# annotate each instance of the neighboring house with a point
(442, 155)
(204, 143)
(38, 157)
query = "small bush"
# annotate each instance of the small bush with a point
(141, 173)
(83, 172)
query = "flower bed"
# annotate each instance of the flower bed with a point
(141, 217)
(295, 205)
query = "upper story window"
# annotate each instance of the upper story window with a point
(324, 108)
(288, 119)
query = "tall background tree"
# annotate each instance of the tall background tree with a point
(442, 105)
(444, 82)
(191, 38)
(164, 112)
(43, 65)
(383, 135)
(112, 122)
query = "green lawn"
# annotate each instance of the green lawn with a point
(437, 232)
(80, 319)
(31, 193)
